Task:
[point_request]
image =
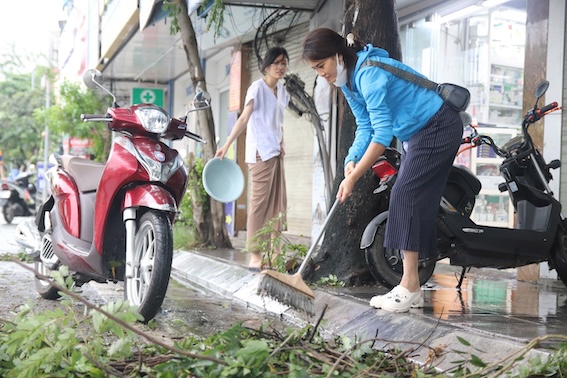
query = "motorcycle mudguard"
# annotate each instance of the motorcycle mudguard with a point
(151, 196)
(370, 231)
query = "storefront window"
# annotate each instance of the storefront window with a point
(418, 40)
(481, 48)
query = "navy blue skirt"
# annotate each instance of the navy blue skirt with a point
(414, 202)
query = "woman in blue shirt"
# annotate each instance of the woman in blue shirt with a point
(386, 106)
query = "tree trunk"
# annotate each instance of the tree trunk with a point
(210, 225)
(340, 253)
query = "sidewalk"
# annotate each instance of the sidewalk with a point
(493, 312)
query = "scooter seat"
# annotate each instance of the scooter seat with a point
(464, 176)
(87, 173)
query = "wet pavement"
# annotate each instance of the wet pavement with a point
(493, 311)
(188, 309)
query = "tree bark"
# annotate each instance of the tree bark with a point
(210, 225)
(340, 254)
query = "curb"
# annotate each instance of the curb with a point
(352, 317)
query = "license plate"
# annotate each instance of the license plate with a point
(5, 194)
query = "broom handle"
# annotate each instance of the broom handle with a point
(321, 232)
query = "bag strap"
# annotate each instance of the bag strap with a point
(406, 75)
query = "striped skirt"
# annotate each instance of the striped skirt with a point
(267, 198)
(426, 162)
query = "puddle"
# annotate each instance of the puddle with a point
(189, 309)
(499, 304)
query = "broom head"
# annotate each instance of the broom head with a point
(287, 289)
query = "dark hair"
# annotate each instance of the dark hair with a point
(271, 55)
(322, 43)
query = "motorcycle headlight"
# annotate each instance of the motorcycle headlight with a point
(153, 119)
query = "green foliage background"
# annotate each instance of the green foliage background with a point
(20, 131)
(24, 116)
(65, 118)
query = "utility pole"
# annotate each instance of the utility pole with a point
(46, 132)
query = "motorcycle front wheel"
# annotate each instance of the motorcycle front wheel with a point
(385, 264)
(153, 255)
(44, 288)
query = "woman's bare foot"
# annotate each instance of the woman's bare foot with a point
(255, 261)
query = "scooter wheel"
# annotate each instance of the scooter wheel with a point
(44, 288)
(153, 255)
(8, 213)
(385, 264)
(559, 255)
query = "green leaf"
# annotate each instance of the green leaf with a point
(476, 361)
(463, 341)
(252, 347)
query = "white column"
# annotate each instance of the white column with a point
(552, 125)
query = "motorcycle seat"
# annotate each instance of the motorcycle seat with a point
(87, 173)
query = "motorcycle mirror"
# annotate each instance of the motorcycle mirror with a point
(202, 100)
(92, 78)
(540, 90)
(466, 118)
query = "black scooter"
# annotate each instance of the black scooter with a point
(540, 233)
(17, 198)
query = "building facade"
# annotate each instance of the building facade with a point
(486, 46)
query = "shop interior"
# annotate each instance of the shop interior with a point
(480, 47)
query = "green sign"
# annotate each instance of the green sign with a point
(147, 96)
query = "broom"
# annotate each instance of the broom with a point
(290, 289)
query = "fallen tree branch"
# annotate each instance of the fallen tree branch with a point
(115, 319)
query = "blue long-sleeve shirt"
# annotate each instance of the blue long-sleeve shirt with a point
(385, 105)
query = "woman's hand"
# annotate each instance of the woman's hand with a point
(221, 152)
(347, 185)
(345, 189)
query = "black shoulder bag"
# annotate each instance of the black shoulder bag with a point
(455, 96)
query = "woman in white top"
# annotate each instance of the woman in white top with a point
(266, 100)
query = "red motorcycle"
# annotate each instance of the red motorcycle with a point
(113, 221)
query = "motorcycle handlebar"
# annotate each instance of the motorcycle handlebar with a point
(547, 108)
(535, 115)
(478, 140)
(195, 137)
(95, 117)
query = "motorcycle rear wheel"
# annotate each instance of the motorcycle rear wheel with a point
(559, 255)
(44, 288)
(8, 213)
(153, 255)
(385, 264)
